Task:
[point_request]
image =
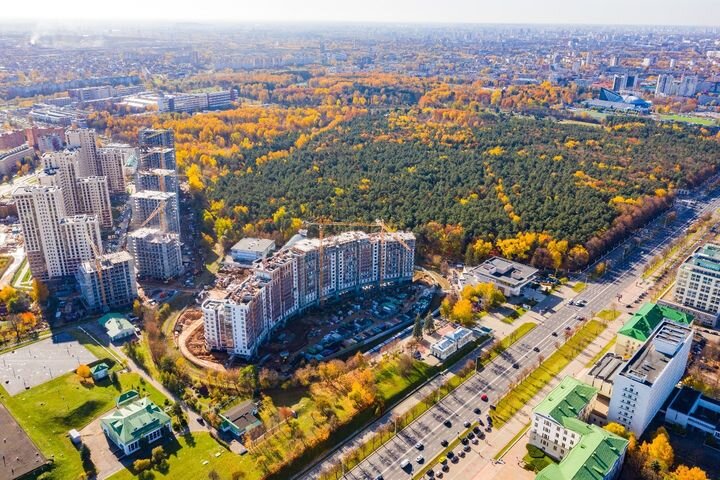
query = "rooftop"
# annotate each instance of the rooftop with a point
(153, 194)
(567, 400)
(253, 244)
(685, 400)
(607, 367)
(648, 362)
(707, 257)
(114, 323)
(133, 419)
(497, 268)
(591, 458)
(645, 321)
(243, 416)
(155, 235)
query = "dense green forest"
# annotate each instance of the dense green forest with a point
(503, 176)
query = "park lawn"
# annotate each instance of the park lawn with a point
(186, 456)
(48, 411)
(519, 396)
(688, 119)
(579, 287)
(391, 382)
(98, 350)
(608, 315)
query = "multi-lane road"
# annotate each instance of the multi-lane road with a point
(494, 381)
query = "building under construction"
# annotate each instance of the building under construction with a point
(239, 317)
(107, 282)
(157, 254)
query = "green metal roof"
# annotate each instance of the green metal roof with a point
(566, 401)
(132, 420)
(114, 323)
(650, 315)
(592, 458)
(99, 367)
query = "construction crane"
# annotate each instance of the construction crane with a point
(98, 266)
(154, 213)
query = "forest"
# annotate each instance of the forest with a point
(471, 170)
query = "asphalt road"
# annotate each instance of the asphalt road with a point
(494, 380)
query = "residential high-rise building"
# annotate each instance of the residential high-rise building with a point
(156, 254)
(697, 285)
(157, 149)
(649, 376)
(61, 170)
(78, 231)
(40, 209)
(113, 159)
(108, 282)
(688, 85)
(94, 197)
(85, 140)
(144, 204)
(240, 317)
(150, 137)
(665, 85)
(158, 179)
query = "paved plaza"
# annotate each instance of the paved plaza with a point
(40, 362)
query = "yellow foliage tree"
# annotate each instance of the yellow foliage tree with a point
(686, 473)
(83, 371)
(462, 311)
(661, 450)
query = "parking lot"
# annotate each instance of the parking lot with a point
(40, 362)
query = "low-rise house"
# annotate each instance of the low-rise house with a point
(116, 326)
(510, 277)
(694, 411)
(451, 342)
(248, 250)
(240, 419)
(135, 421)
(100, 371)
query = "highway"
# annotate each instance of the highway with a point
(429, 429)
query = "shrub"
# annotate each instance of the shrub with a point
(142, 464)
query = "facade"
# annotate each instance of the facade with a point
(145, 202)
(697, 285)
(157, 179)
(150, 137)
(135, 419)
(108, 281)
(649, 376)
(78, 231)
(510, 277)
(635, 332)
(9, 159)
(247, 250)
(156, 254)
(112, 160)
(694, 411)
(451, 343)
(85, 140)
(239, 318)
(94, 198)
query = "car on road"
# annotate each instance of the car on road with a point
(466, 424)
(419, 459)
(536, 349)
(406, 465)
(477, 411)
(419, 446)
(554, 334)
(516, 365)
(379, 477)
(447, 423)
(444, 443)
(484, 397)
(581, 303)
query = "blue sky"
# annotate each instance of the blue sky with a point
(652, 12)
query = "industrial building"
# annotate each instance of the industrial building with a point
(248, 250)
(156, 254)
(107, 282)
(240, 317)
(649, 376)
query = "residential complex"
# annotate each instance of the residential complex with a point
(107, 281)
(697, 286)
(238, 318)
(649, 376)
(155, 209)
(113, 159)
(94, 197)
(158, 179)
(558, 428)
(635, 332)
(157, 254)
(135, 420)
(510, 277)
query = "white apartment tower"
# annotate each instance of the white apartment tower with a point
(94, 198)
(85, 140)
(697, 285)
(649, 376)
(78, 232)
(113, 159)
(61, 170)
(156, 254)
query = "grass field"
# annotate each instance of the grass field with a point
(48, 411)
(549, 369)
(579, 287)
(186, 457)
(608, 315)
(5, 262)
(688, 119)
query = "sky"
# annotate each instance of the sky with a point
(632, 12)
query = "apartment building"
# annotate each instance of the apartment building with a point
(61, 170)
(559, 429)
(94, 197)
(144, 204)
(150, 137)
(113, 159)
(85, 140)
(156, 254)
(635, 332)
(239, 318)
(649, 376)
(78, 231)
(107, 282)
(158, 179)
(157, 157)
(697, 285)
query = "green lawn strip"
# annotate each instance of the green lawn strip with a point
(47, 412)
(512, 442)
(92, 345)
(518, 397)
(16, 275)
(506, 342)
(601, 353)
(5, 262)
(579, 287)
(608, 315)
(187, 456)
(687, 119)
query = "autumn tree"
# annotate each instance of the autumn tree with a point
(83, 371)
(462, 312)
(683, 472)
(40, 292)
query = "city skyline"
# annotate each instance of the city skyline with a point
(593, 12)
